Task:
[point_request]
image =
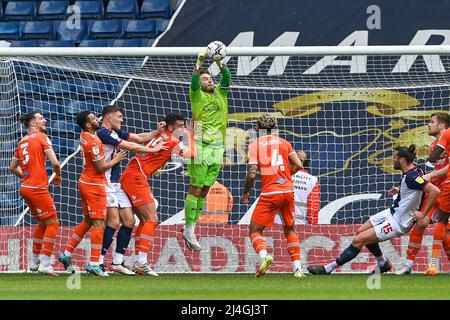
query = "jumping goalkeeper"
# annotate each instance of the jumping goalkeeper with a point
(210, 113)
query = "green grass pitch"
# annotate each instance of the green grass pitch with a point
(224, 286)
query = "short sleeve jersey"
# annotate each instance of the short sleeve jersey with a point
(111, 140)
(148, 163)
(444, 142)
(271, 154)
(210, 110)
(409, 198)
(92, 151)
(441, 163)
(31, 155)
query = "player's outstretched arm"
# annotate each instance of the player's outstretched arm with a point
(437, 173)
(55, 165)
(138, 148)
(249, 182)
(225, 78)
(147, 136)
(103, 166)
(195, 80)
(433, 193)
(15, 168)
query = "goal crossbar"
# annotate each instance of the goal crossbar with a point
(231, 51)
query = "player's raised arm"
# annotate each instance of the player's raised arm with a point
(147, 136)
(437, 173)
(137, 148)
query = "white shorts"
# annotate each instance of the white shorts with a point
(116, 197)
(385, 225)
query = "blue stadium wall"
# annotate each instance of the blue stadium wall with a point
(318, 23)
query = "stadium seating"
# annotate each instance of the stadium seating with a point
(96, 43)
(91, 9)
(74, 107)
(106, 29)
(156, 9)
(161, 25)
(127, 43)
(122, 9)
(38, 30)
(139, 29)
(65, 31)
(119, 21)
(20, 11)
(53, 10)
(10, 30)
(56, 43)
(24, 43)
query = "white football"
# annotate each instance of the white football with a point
(216, 50)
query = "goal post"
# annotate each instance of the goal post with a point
(346, 106)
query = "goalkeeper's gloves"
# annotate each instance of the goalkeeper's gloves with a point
(202, 55)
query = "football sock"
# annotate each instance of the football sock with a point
(108, 235)
(146, 237)
(77, 236)
(259, 244)
(415, 241)
(38, 236)
(349, 254)
(200, 207)
(190, 208)
(293, 246)
(438, 238)
(137, 237)
(123, 239)
(48, 242)
(375, 249)
(96, 244)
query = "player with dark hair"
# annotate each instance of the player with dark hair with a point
(439, 122)
(134, 182)
(391, 224)
(272, 156)
(119, 211)
(92, 191)
(209, 106)
(28, 164)
(439, 153)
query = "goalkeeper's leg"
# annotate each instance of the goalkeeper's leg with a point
(192, 210)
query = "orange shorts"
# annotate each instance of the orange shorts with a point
(268, 206)
(40, 202)
(93, 200)
(137, 188)
(444, 198)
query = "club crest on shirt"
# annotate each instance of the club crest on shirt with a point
(96, 150)
(420, 180)
(114, 135)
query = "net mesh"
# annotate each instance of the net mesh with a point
(347, 112)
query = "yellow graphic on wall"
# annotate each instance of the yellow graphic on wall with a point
(404, 113)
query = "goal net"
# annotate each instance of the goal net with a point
(347, 107)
